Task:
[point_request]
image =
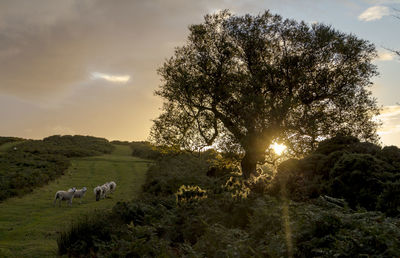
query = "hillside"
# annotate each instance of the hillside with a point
(27, 164)
(31, 224)
(197, 206)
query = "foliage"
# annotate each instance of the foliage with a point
(237, 187)
(221, 225)
(145, 150)
(190, 193)
(343, 167)
(84, 233)
(159, 181)
(73, 146)
(36, 162)
(245, 81)
(338, 233)
(4, 140)
(116, 142)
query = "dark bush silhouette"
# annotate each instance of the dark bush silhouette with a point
(343, 167)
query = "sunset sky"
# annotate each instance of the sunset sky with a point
(89, 66)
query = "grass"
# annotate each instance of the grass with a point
(29, 226)
(6, 146)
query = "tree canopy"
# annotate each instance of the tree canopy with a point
(243, 82)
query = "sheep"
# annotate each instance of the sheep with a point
(65, 195)
(79, 193)
(105, 189)
(98, 192)
(112, 185)
(101, 191)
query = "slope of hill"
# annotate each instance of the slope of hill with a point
(27, 164)
(187, 211)
(30, 224)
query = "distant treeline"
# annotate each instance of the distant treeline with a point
(145, 150)
(33, 163)
(200, 206)
(4, 140)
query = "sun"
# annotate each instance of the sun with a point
(278, 148)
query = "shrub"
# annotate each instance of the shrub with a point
(190, 193)
(343, 167)
(145, 150)
(83, 236)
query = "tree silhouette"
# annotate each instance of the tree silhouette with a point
(243, 82)
(397, 16)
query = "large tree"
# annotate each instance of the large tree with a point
(247, 81)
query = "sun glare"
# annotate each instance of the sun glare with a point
(278, 148)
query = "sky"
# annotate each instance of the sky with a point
(89, 67)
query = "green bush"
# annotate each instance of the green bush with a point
(342, 167)
(169, 173)
(145, 150)
(84, 236)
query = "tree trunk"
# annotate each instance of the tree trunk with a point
(254, 153)
(249, 164)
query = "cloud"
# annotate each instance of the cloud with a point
(378, 2)
(110, 77)
(390, 130)
(374, 13)
(389, 113)
(385, 55)
(47, 49)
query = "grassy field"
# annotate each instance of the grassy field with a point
(29, 226)
(4, 147)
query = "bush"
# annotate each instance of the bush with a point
(170, 172)
(389, 201)
(145, 150)
(342, 167)
(83, 237)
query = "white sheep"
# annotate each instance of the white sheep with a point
(79, 193)
(112, 185)
(97, 192)
(65, 196)
(105, 189)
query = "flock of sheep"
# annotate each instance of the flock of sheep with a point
(100, 191)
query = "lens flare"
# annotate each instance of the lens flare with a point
(278, 148)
